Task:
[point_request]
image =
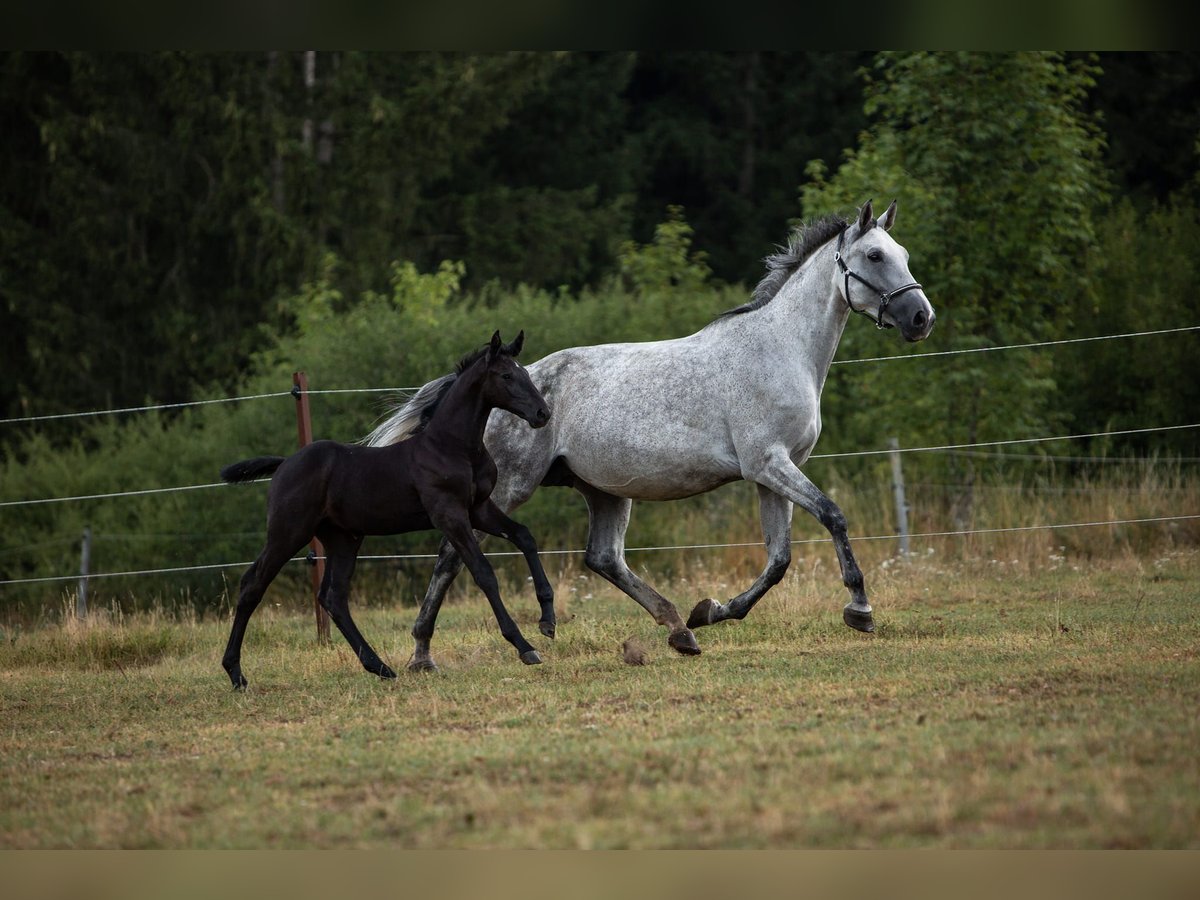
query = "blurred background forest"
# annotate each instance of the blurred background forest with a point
(181, 226)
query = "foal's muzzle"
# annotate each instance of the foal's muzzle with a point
(540, 417)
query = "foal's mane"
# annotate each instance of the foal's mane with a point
(415, 413)
(802, 243)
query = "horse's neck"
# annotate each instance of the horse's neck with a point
(460, 419)
(801, 327)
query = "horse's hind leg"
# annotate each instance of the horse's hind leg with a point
(253, 585)
(341, 551)
(775, 514)
(608, 520)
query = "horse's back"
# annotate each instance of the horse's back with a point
(643, 420)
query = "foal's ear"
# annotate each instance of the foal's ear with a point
(514, 349)
(888, 219)
(865, 217)
(494, 346)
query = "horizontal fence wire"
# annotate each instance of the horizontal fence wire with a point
(1082, 340)
(402, 390)
(947, 447)
(565, 552)
(848, 454)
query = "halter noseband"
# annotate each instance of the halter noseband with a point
(885, 297)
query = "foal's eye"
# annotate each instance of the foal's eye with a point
(874, 255)
(506, 377)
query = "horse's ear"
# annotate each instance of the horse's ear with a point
(494, 346)
(888, 219)
(866, 217)
(514, 349)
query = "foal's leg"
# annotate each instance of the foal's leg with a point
(512, 489)
(253, 585)
(445, 570)
(779, 474)
(489, 518)
(459, 532)
(775, 514)
(608, 518)
(341, 551)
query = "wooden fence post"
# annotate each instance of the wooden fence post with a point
(85, 567)
(316, 553)
(898, 493)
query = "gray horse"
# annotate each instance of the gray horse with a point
(662, 420)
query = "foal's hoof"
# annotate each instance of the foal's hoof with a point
(424, 664)
(239, 681)
(531, 658)
(858, 619)
(546, 628)
(385, 671)
(705, 613)
(684, 642)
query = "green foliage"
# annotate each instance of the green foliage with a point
(1148, 271)
(666, 263)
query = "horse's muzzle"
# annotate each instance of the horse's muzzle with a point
(540, 417)
(913, 316)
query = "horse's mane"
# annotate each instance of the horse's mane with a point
(802, 243)
(416, 411)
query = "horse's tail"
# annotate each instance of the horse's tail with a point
(411, 415)
(250, 469)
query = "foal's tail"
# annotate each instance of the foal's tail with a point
(250, 469)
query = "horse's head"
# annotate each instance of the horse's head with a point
(506, 385)
(873, 277)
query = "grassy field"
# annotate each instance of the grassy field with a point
(998, 705)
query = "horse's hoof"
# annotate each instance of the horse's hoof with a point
(239, 681)
(531, 658)
(858, 619)
(385, 671)
(546, 628)
(705, 613)
(425, 664)
(683, 641)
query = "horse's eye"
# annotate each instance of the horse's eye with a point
(874, 256)
(506, 377)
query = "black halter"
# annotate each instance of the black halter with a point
(885, 297)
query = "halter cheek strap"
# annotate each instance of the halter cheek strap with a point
(885, 297)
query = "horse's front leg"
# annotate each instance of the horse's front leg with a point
(488, 517)
(779, 474)
(775, 514)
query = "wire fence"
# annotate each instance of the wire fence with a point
(579, 552)
(403, 390)
(845, 455)
(970, 449)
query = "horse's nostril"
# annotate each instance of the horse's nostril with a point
(920, 319)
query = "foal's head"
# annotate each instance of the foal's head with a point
(506, 385)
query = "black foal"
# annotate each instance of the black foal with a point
(441, 477)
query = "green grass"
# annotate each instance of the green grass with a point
(996, 706)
